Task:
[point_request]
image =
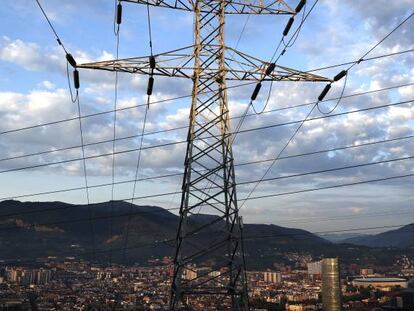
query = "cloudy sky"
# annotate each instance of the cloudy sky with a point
(33, 90)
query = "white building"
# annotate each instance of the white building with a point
(272, 277)
(314, 268)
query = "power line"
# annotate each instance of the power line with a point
(52, 28)
(186, 127)
(236, 165)
(383, 39)
(328, 170)
(142, 134)
(136, 174)
(69, 57)
(328, 187)
(269, 179)
(86, 177)
(302, 121)
(360, 60)
(111, 111)
(77, 100)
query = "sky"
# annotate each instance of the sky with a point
(34, 90)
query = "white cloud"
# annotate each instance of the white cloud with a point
(21, 53)
(48, 85)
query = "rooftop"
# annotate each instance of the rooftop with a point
(383, 280)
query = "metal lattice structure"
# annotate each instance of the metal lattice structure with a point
(209, 156)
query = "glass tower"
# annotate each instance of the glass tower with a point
(331, 285)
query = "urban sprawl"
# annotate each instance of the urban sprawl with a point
(308, 285)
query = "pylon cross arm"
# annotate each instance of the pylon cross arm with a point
(180, 63)
(232, 7)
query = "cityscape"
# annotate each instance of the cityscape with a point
(206, 155)
(74, 284)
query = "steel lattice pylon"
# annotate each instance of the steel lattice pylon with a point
(215, 240)
(209, 125)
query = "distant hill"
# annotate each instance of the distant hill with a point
(402, 237)
(37, 229)
(340, 237)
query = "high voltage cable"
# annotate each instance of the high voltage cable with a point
(327, 170)
(77, 101)
(52, 28)
(112, 111)
(329, 187)
(60, 42)
(383, 39)
(142, 135)
(173, 99)
(236, 165)
(136, 173)
(289, 192)
(243, 183)
(360, 61)
(305, 235)
(302, 121)
(316, 105)
(86, 176)
(185, 127)
(254, 181)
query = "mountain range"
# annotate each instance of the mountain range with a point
(402, 237)
(99, 232)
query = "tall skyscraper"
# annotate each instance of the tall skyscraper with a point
(331, 285)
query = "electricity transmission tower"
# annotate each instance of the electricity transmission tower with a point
(209, 63)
